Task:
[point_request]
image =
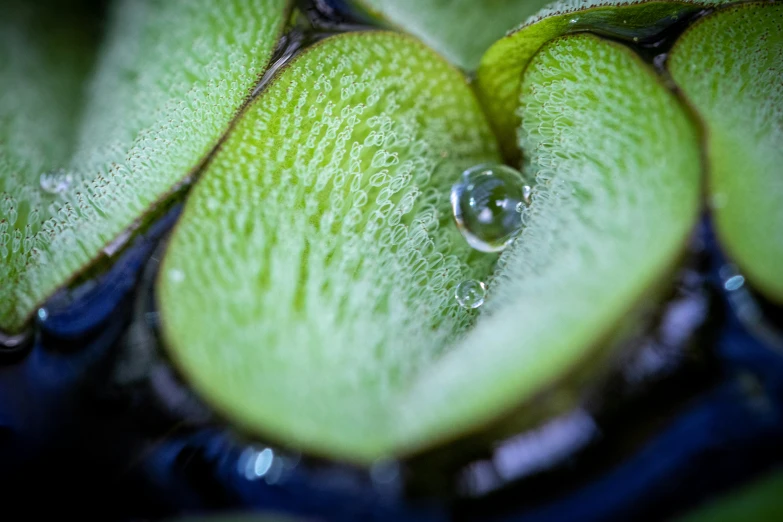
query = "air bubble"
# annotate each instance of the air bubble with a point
(471, 293)
(55, 182)
(488, 204)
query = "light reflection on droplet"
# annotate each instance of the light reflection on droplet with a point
(487, 205)
(470, 293)
(43, 314)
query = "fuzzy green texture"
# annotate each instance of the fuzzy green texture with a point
(168, 79)
(308, 290)
(729, 66)
(460, 30)
(501, 70)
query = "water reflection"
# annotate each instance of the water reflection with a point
(748, 308)
(531, 452)
(267, 464)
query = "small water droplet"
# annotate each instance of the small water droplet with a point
(573, 21)
(471, 293)
(55, 182)
(43, 314)
(734, 283)
(486, 205)
(263, 462)
(176, 275)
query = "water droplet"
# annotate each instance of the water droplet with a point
(55, 182)
(43, 314)
(255, 464)
(734, 283)
(471, 293)
(263, 462)
(486, 205)
(176, 275)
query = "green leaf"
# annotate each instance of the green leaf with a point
(312, 274)
(759, 501)
(461, 30)
(501, 69)
(308, 312)
(169, 78)
(45, 57)
(617, 163)
(729, 66)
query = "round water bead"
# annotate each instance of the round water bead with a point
(488, 205)
(470, 293)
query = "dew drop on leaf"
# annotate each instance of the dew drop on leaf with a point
(488, 204)
(471, 293)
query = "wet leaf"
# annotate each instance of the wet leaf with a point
(729, 66)
(84, 155)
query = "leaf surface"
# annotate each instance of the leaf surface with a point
(169, 78)
(729, 66)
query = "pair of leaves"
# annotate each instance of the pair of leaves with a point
(731, 82)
